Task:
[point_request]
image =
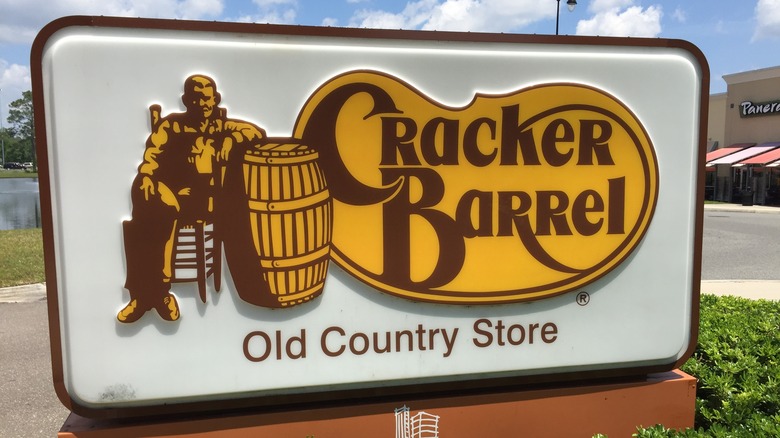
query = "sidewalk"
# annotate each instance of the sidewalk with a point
(738, 208)
(23, 294)
(751, 289)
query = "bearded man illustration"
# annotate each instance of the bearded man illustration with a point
(177, 183)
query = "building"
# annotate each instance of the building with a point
(743, 137)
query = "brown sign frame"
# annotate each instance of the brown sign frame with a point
(332, 398)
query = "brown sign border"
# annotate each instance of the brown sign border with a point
(324, 398)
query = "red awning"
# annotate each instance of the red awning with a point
(764, 158)
(722, 152)
(741, 155)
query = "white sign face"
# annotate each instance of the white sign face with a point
(258, 213)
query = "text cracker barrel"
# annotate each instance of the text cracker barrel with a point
(291, 216)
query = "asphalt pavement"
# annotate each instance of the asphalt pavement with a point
(752, 289)
(29, 407)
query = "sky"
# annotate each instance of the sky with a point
(734, 35)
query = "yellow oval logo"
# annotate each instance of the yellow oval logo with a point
(511, 198)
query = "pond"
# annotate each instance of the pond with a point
(20, 205)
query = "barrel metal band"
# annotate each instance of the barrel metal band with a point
(279, 160)
(303, 295)
(290, 205)
(301, 260)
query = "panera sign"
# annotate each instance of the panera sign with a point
(750, 109)
(489, 203)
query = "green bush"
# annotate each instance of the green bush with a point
(737, 362)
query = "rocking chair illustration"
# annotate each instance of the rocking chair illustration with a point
(197, 254)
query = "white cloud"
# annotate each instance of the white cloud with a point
(720, 26)
(328, 21)
(23, 19)
(680, 15)
(457, 15)
(610, 17)
(14, 79)
(272, 3)
(277, 16)
(203, 8)
(767, 20)
(461, 15)
(378, 19)
(410, 17)
(16, 34)
(274, 11)
(597, 6)
(633, 21)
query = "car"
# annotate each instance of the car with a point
(27, 165)
(13, 165)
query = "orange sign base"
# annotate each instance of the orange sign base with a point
(611, 408)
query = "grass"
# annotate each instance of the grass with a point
(21, 251)
(17, 174)
(21, 257)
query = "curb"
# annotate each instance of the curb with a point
(736, 208)
(751, 289)
(28, 293)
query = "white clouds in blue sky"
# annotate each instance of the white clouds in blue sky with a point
(734, 35)
(456, 15)
(767, 20)
(621, 18)
(680, 15)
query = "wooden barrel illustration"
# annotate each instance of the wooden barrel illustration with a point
(291, 217)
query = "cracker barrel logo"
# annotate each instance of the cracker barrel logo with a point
(509, 198)
(208, 182)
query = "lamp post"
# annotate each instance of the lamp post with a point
(2, 138)
(570, 4)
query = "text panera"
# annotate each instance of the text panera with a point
(336, 341)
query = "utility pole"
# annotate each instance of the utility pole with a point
(2, 138)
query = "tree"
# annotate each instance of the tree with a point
(20, 119)
(11, 149)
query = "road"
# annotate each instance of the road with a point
(736, 245)
(740, 246)
(28, 405)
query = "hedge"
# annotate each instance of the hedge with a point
(737, 364)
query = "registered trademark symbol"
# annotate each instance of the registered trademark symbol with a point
(583, 298)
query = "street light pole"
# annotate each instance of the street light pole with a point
(570, 4)
(2, 139)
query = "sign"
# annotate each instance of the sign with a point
(251, 215)
(490, 225)
(750, 109)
